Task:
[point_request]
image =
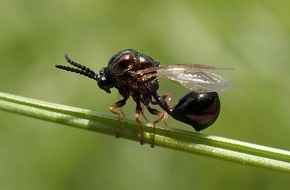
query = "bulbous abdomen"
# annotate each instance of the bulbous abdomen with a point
(200, 110)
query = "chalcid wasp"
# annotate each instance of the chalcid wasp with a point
(135, 74)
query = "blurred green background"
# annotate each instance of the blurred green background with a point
(250, 36)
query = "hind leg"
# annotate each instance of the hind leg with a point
(165, 114)
(161, 117)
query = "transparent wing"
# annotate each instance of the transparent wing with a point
(193, 77)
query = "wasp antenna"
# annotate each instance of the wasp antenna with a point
(83, 69)
(74, 63)
(88, 73)
(66, 68)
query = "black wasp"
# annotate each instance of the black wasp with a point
(135, 74)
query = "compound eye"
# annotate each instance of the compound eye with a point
(104, 85)
(200, 110)
(103, 81)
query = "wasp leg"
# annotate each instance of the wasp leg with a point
(112, 108)
(143, 115)
(139, 111)
(164, 96)
(168, 102)
(160, 118)
(121, 108)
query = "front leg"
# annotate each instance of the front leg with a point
(118, 104)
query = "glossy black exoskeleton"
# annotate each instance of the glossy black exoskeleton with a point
(200, 110)
(135, 74)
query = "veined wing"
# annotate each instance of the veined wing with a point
(193, 77)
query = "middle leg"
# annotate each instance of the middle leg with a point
(139, 111)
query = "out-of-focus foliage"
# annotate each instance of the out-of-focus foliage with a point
(250, 36)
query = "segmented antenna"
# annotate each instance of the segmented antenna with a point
(81, 69)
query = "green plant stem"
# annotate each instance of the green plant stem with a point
(209, 145)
